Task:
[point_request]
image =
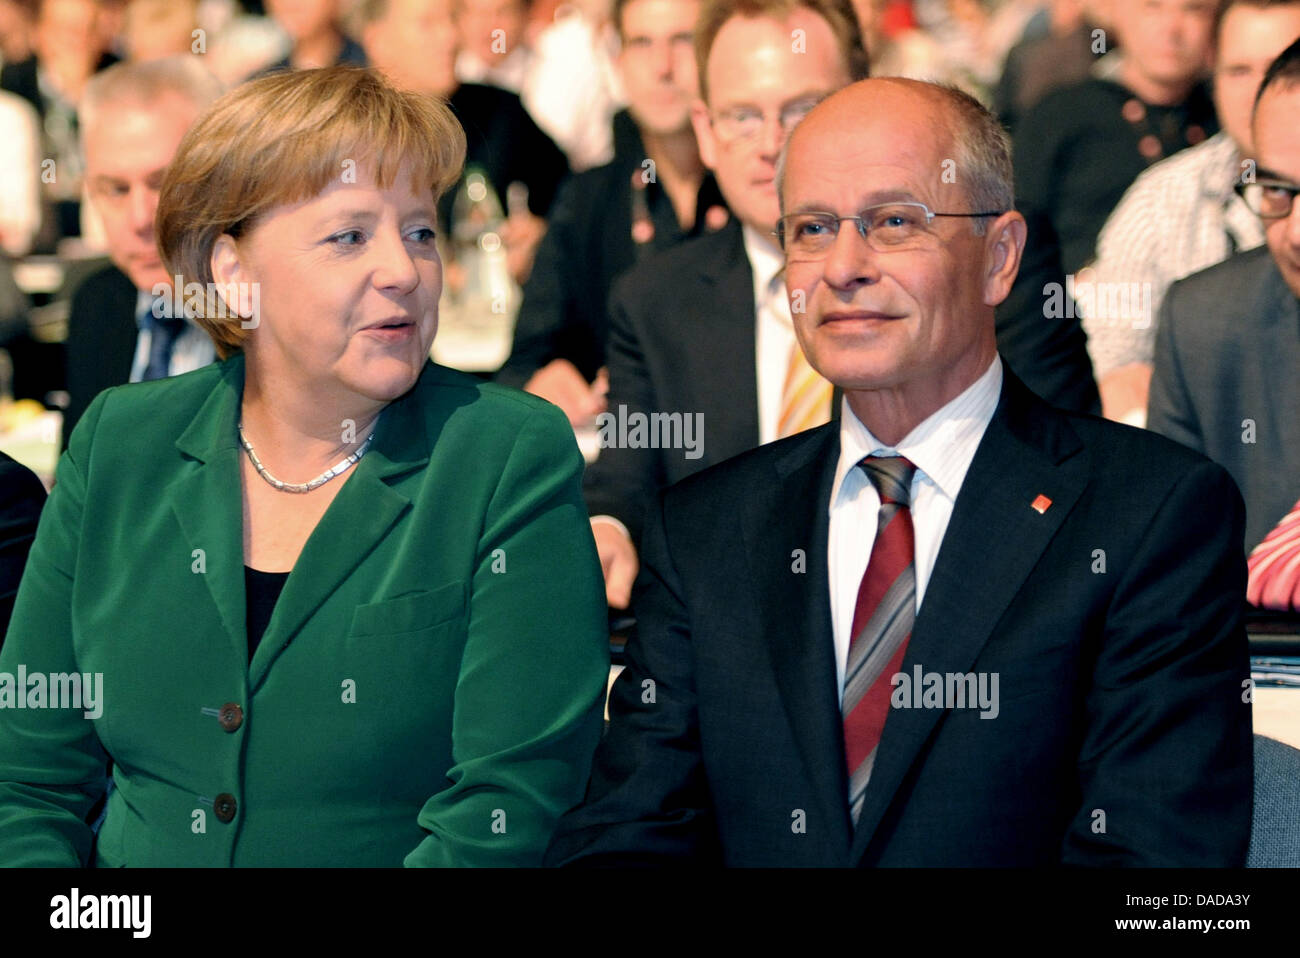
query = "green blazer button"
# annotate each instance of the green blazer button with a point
(224, 807)
(231, 716)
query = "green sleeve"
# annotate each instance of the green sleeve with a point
(528, 707)
(52, 765)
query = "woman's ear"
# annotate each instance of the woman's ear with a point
(232, 283)
(225, 265)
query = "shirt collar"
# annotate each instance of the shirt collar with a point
(942, 447)
(765, 261)
(143, 308)
(1222, 167)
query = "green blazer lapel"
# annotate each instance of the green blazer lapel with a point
(365, 510)
(208, 503)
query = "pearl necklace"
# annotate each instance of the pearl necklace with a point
(299, 487)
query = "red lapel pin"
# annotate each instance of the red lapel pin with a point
(1040, 504)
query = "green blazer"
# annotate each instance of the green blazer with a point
(429, 688)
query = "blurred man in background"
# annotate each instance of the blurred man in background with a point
(493, 46)
(68, 49)
(135, 115)
(314, 30)
(704, 329)
(152, 29)
(655, 194)
(414, 43)
(1183, 215)
(1082, 146)
(1227, 357)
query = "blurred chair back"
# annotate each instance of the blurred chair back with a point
(1275, 828)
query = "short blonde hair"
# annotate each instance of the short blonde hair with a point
(283, 139)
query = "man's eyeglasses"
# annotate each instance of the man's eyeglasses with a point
(1269, 199)
(745, 123)
(886, 228)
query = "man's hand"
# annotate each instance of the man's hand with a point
(560, 382)
(617, 560)
(521, 232)
(1124, 392)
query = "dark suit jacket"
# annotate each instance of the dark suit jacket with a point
(1050, 353)
(502, 140)
(102, 334)
(1120, 690)
(1228, 351)
(588, 244)
(21, 498)
(681, 339)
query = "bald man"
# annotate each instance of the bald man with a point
(957, 627)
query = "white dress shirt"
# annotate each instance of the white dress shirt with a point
(192, 350)
(507, 73)
(773, 328)
(572, 88)
(941, 448)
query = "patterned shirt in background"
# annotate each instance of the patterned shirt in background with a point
(1179, 217)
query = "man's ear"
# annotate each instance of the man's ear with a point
(1004, 245)
(704, 133)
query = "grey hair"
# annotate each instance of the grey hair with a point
(983, 152)
(144, 82)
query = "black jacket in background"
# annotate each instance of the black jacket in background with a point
(102, 334)
(587, 246)
(21, 499)
(1049, 352)
(502, 139)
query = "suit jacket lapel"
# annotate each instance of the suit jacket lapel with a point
(795, 609)
(1026, 452)
(721, 340)
(1281, 340)
(208, 503)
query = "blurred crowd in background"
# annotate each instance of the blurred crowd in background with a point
(547, 89)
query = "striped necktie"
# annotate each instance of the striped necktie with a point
(1274, 566)
(805, 395)
(882, 622)
(805, 398)
(163, 334)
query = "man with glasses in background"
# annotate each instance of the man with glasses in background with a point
(1227, 356)
(704, 327)
(957, 627)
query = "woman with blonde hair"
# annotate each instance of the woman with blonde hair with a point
(341, 606)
